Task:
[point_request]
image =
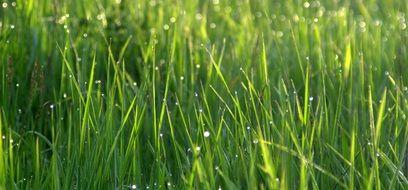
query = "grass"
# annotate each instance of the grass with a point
(248, 94)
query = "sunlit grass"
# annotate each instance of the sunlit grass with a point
(249, 94)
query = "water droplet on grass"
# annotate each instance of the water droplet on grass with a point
(311, 98)
(4, 5)
(206, 134)
(133, 187)
(213, 25)
(198, 148)
(166, 27)
(198, 16)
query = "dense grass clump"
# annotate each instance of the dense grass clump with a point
(188, 94)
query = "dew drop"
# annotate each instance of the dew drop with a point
(213, 25)
(198, 16)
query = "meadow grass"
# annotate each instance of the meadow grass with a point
(180, 94)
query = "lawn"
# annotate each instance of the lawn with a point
(203, 94)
